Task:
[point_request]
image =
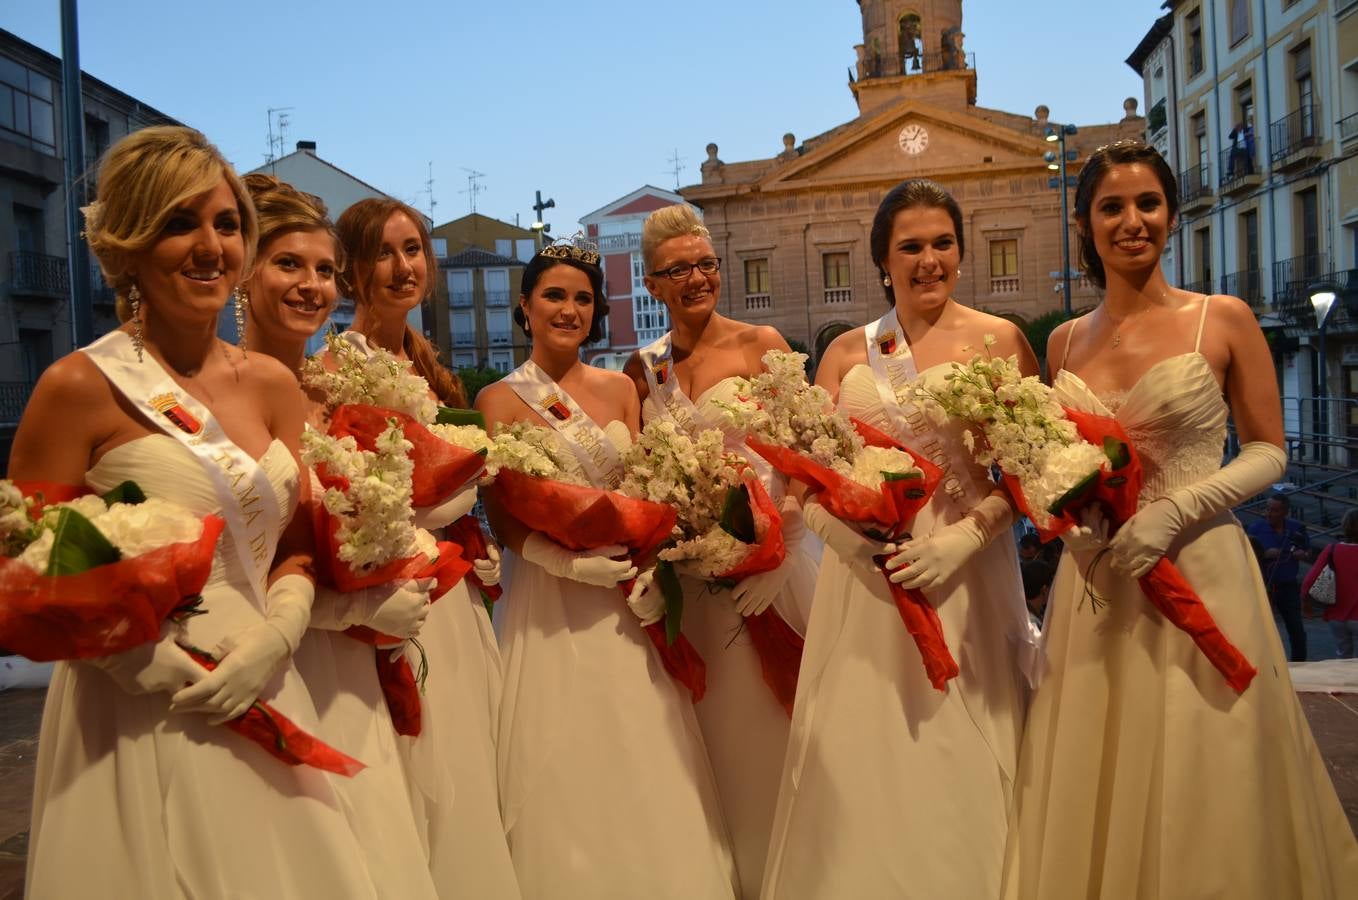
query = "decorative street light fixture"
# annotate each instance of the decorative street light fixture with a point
(1057, 163)
(1322, 301)
(538, 225)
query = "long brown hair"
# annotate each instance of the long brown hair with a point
(360, 231)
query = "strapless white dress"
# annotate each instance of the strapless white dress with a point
(1143, 774)
(891, 788)
(131, 800)
(744, 726)
(605, 785)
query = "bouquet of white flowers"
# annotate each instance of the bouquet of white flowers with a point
(532, 450)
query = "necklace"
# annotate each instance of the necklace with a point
(1117, 326)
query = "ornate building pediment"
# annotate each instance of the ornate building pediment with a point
(911, 138)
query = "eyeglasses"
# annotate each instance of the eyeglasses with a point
(681, 271)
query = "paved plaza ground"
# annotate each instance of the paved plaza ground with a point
(1333, 717)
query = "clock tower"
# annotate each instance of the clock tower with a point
(912, 48)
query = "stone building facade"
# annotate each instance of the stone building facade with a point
(792, 229)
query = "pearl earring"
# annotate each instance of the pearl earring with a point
(886, 281)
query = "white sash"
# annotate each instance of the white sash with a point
(242, 487)
(598, 457)
(894, 373)
(657, 360)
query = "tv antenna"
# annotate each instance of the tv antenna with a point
(473, 185)
(278, 122)
(677, 166)
(429, 190)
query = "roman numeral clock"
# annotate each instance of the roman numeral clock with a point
(913, 139)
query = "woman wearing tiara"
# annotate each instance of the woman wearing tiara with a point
(605, 784)
(1137, 752)
(139, 792)
(703, 358)
(291, 292)
(389, 270)
(893, 788)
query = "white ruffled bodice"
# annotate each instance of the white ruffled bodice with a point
(1175, 416)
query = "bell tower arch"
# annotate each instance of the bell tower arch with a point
(903, 39)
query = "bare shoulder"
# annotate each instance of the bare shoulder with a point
(1231, 311)
(269, 374)
(75, 383)
(849, 341)
(765, 338)
(610, 383)
(636, 373)
(495, 400)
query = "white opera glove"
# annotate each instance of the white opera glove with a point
(447, 511)
(1091, 535)
(1146, 537)
(646, 600)
(586, 566)
(488, 570)
(852, 547)
(401, 613)
(752, 595)
(249, 658)
(925, 563)
(159, 665)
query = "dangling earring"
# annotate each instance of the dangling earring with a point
(886, 281)
(138, 340)
(242, 303)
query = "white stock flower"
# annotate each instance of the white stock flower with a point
(375, 378)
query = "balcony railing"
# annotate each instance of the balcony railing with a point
(464, 340)
(101, 295)
(1237, 164)
(1203, 286)
(617, 243)
(1295, 132)
(38, 273)
(1247, 284)
(1155, 117)
(497, 298)
(1008, 284)
(460, 300)
(1291, 278)
(754, 302)
(838, 296)
(499, 338)
(13, 398)
(1348, 128)
(1195, 184)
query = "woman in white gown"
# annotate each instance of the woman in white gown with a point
(744, 726)
(892, 788)
(389, 270)
(291, 293)
(1143, 773)
(605, 785)
(139, 794)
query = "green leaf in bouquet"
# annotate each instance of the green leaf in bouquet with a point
(673, 592)
(1117, 451)
(126, 492)
(911, 493)
(1084, 484)
(77, 546)
(448, 415)
(737, 519)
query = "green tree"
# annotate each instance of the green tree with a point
(476, 377)
(1038, 330)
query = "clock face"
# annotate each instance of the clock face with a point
(913, 139)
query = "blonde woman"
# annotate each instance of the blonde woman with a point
(138, 793)
(703, 357)
(292, 291)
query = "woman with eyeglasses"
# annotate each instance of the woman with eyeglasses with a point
(1137, 752)
(604, 780)
(892, 787)
(682, 376)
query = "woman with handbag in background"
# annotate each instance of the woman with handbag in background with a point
(1341, 558)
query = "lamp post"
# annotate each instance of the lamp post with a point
(538, 225)
(1322, 301)
(1057, 163)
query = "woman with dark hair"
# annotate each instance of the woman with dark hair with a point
(706, 356)
(604, 780)
(451, 764)
(1136, 748)
(889, 782)
(291, 294)
(139, 790)
(1342, 557)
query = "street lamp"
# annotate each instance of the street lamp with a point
(1322, 301)
(539, 226)
(1057, 163)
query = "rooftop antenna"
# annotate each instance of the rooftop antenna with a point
(278, 119)
(429, 189)
(473, 187)
(677, 163)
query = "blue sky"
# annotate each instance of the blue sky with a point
(586, 100)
